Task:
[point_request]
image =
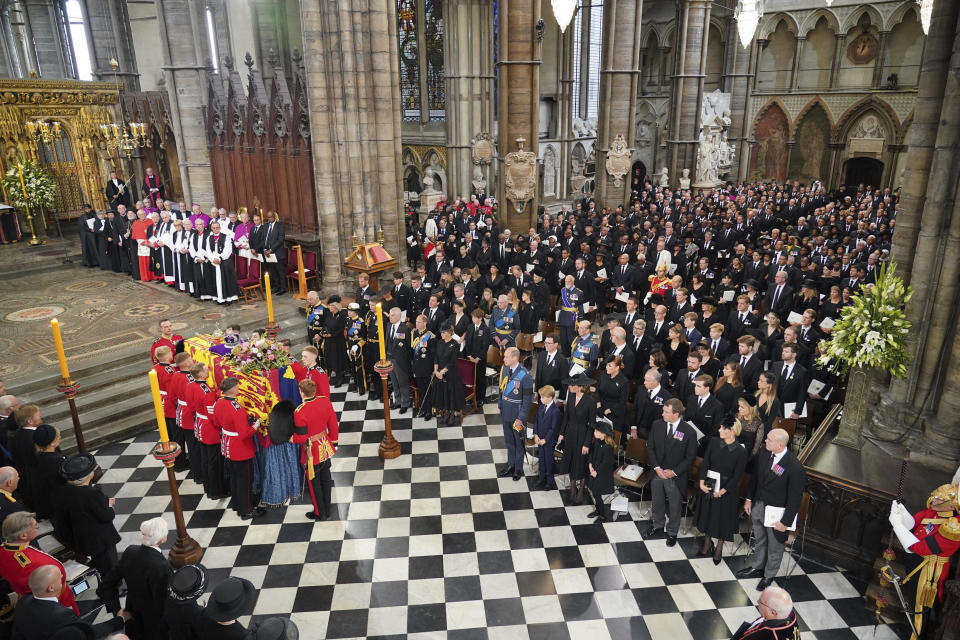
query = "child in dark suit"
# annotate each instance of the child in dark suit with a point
(545, 436)
(600, 481)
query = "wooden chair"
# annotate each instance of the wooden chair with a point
(495, 357)
(636, 450)
(468, 376)
(693, 490)
(545, 328)
(799, 534)
(788, 425)
(251, 287)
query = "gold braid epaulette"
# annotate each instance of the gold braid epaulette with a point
(951, 529)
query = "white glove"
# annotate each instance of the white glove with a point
(355, 348)
(903, 534)
(897, 509)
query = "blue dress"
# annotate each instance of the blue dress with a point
(282, 475)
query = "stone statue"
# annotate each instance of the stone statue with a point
(685, 179)
(428, 180)
(715, 155)
(664, 180)
(479, 182)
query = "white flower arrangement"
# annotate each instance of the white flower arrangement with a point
(872, 332)
(41, 188)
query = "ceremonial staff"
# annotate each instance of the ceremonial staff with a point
(67, 386)
(389, 447)
(185, 550)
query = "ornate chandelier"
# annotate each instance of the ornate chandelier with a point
(747, 15)
(46, 131)
(563, 11)
(926, 11)
(121, 138)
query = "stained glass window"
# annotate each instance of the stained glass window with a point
(409, 59)
(433, 45)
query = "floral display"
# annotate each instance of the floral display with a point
(262, 355)
(41, 189)
(872, 332)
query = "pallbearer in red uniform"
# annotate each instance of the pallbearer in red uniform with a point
(317, 429)
(164, 367)
(237, 431)
(167, 339)
(171, 405)
(931, 536)
(309, 369)
(208, 439)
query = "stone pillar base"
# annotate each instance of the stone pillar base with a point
(854, 409)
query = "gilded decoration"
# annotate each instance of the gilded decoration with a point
(618, 160)
(76, 159)
(484, 149)
(520, 176)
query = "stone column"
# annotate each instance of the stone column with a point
(736, 81)
(837, 57)
(185, 50)
(353, 84)
(565, 112)
(690, 70)
(109, 36)
(924, 404)
(881, 59)
(54, 55)
(468, 60)
(518, 110)
(800, 41)
(619, 82)
(10, 63)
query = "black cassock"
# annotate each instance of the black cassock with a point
(121, 258)
(449, 396)
(183, 262)
(335, 346)
(197, 242)
(220, 279)
(102, 231)
(88, 241)
(577, 431)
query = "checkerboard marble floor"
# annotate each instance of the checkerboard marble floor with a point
(434, 545)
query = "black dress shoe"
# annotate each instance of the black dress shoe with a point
(506, 471)
(394, 405)
(749, 572)
(671, 541)
(517, 475)
(651, 532)
(404, 410)
(763, 584)
(593, 514)
(314, 516)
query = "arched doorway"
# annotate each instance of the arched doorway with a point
(867, 171)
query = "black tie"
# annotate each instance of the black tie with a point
(669, 430)
(715, 346)
(786, 370)
(776, 296)
(743, 361)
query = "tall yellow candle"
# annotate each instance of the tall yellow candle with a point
(383, 344)
(158, 406)
(266, 284)
(23, 184)
(58, 342)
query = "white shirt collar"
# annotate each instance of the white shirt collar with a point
(777, 457)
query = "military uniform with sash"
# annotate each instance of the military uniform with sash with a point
(237, 431)
(356, 339)
(316, 321)
(424, 346)
(371, 353)
(585, 353)
(516, 395)
(569, 314)
(504, 325)
(316, 427)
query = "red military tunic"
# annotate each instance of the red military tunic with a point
(938, 536)
(183, 414)
(17, 562)
(201, 400)
(236, 430)
(315, 373)
(164, 371)
(178, 381)
(315, 420)
(164, 342)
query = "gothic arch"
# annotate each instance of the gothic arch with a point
(869, 103)
(904, 137)
(900, 13)
(810, 150)
(721, 25)
(876, 20)
(773, 102)
(771, 132)
(816, 101)
(810, 22)
(769, 25)
(653, 37)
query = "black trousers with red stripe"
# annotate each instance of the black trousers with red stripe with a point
(241, 477)
(211, 470)
(320, 488)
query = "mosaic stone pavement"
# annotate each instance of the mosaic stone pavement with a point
(434, 545)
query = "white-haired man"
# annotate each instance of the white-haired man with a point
(147, 573)
(777, 620)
